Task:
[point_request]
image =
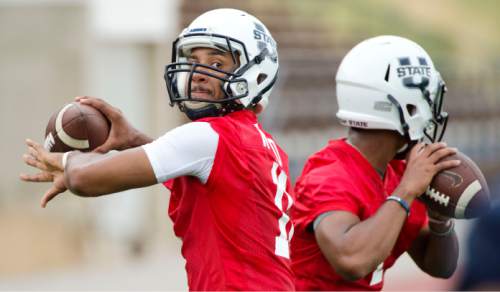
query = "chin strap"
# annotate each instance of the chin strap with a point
(210, 110)
(401, 155)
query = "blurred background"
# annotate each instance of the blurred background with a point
(54, 50)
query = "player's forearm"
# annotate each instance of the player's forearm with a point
(371, 241)
(441, 254)
(92, 174)
(355, 248)
(78, 173)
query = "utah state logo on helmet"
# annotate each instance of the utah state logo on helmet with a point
(390, 82)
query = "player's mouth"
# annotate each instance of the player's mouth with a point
(202, 93)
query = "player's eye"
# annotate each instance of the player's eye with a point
(217, 65)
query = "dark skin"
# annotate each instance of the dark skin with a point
(355, 248)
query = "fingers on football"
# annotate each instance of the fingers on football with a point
(86, 99)
(39, 177)
(436, 215)
(49, 195)
(443, 165)
(109, 111)
(79, 98)
(431, 148)
(442, 153)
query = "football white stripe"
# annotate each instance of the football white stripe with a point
(465, 198)
(65, 138)
(49, 142)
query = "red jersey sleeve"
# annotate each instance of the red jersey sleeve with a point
(322, 190)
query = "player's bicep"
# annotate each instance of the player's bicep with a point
(330, 233)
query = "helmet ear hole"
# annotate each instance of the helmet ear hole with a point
(261, 78)
(412, 109)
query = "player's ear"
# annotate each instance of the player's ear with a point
(258, 109)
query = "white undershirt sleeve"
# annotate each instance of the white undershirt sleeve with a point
(186, 150)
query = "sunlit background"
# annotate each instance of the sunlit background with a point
(54, 50)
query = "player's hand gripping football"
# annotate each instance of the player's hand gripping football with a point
(423, 162)
(51, 170)
(122, 134)
(438, 222)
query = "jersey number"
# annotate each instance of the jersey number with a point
(377, 274)
(282, 243)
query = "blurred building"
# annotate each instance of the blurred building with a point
(52, 51)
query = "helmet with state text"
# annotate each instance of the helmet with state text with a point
(389, 82)
(251, 46)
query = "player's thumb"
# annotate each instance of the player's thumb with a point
(104, 148)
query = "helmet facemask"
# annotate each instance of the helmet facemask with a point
(252, 49)
(234, 86)
(179, 77)
(436, 126)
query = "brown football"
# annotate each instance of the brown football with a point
(459, 192)
(76, 127)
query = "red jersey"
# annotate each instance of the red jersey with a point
(235, 228)
(338, 177)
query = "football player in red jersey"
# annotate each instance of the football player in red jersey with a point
(230, 192)
(356, 210)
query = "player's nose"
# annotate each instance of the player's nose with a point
(199, 77)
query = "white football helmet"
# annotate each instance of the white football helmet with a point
(250, 43)
(390, 82)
